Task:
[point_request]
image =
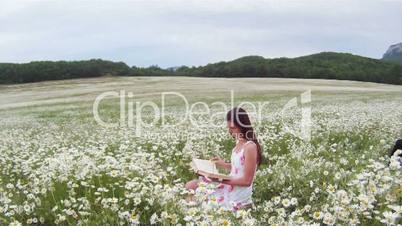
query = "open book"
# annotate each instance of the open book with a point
(208, 169)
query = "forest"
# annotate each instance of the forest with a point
(324, 65)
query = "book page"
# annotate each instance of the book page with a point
(205, 165)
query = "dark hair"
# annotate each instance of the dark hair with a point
(240, 118)
(398, 145)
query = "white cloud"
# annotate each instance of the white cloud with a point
(172, 33)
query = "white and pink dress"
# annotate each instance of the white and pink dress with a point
(233, 197)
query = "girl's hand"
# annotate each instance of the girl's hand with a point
(226, 181)
(218, 161)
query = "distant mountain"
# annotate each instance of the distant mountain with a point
(394, 53)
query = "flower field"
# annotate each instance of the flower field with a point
(58, 166)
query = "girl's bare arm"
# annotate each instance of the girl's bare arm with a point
(250, 154)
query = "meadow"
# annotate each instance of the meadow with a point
(59, 166)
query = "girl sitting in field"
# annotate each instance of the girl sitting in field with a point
(236, 192)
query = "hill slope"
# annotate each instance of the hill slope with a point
(326, 65)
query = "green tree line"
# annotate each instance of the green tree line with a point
(325, 65)
(50, 70)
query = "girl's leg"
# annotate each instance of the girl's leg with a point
(191, 186)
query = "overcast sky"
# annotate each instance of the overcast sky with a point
(173, 33)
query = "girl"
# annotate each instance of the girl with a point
(246, 156)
